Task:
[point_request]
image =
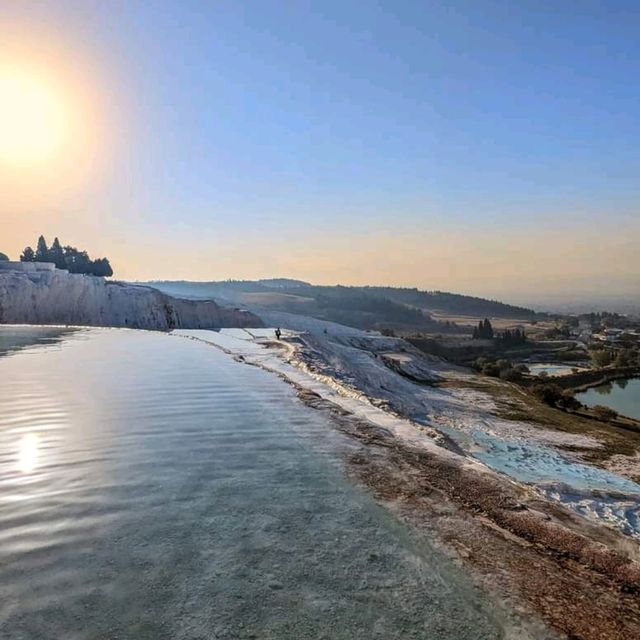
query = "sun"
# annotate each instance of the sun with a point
(34, 119)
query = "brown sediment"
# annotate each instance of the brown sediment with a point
(581, 578)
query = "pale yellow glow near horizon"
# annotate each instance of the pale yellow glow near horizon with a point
(34, 118)
(520, 266)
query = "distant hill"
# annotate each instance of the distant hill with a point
(368, 307)
(346, 305)
(282, 283)
(453, 303)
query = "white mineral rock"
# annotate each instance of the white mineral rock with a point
(40, 294)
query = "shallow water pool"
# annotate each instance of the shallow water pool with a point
(151, 487)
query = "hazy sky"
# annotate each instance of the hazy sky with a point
(483, 147)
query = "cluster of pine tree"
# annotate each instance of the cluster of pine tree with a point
(69, 258)
(511, 338)
(484, 330)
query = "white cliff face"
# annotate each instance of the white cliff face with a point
(51, 296)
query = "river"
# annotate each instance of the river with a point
(154, 488)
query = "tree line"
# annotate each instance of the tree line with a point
(513, 337)
(508, 338)
(67, 257)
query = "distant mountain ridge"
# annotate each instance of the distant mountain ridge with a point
(429, 300)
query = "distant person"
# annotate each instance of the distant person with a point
(278, 333)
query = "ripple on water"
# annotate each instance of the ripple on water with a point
(152, 487)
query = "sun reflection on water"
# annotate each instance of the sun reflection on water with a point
(28, 454)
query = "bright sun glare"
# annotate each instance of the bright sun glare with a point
(34, 119)
(28, 452)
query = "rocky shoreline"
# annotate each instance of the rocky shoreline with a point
(583, 380)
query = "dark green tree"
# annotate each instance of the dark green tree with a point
(512, 337)
(488, 329)
(601, 357)
(101, 267)
(42, 251)
(56, 255)
(484, 330)
(28, 255)
(77, 261)
(549, 393)
(68, 257)
(4, 257)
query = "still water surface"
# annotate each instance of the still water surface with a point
(558, 369)
(153, 488)
(622, 395)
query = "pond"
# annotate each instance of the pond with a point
(554, 369)
(153, 488)
(622, 396)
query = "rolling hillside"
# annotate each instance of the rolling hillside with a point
(363, 307)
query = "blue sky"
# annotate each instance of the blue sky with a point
(242, 129)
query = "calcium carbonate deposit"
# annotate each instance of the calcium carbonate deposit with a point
(33, 293)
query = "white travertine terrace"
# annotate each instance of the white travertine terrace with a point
(38, 293)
